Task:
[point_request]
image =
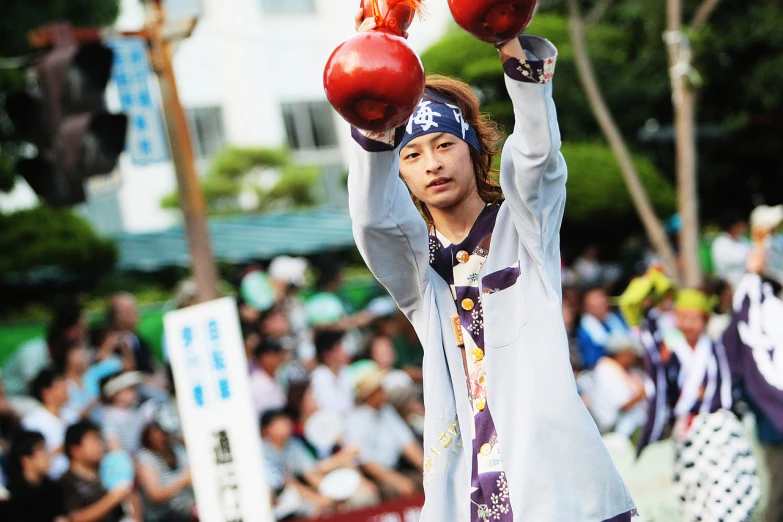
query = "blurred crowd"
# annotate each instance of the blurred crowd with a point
(88, 416)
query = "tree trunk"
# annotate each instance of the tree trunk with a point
(684, 101)
(652, 225)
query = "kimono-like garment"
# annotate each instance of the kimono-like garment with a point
(715, 470)
(553, 459)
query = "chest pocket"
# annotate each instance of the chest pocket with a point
(505, 310)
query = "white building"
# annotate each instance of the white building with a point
(250, 75)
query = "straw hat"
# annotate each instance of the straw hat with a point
(368, 382)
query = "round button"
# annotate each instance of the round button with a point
(486, 449)
(463, 257)
(481, 404)
(478, 354)
(468, 304)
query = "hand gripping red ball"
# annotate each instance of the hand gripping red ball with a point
(493, 21)
(374, 79)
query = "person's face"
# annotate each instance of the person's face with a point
(279, 430)
(57, 394)
(382, 352)
(597, 304)
(271, 361)
(377, 398)
(77, 360)
(627, 359)
(91, 449)
(692, 324)
(738, 229)
(40, 459)
(79, 331)
(338, 356)
(125, 398)
(127, 314)
(438, 170)
(276, 325)
(158, 439)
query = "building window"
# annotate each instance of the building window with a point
(206, 131)
(288, 6)
(309, 125)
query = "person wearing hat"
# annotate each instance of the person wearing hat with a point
(714, 468)
(383, 437)
(616, 398)
(123, 420)
(765, 226)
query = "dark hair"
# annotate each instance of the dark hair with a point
(145, 434)
(489, 136)
(66, 315)
(24, 444)
(325, 341)
(729, 218)
(296, 394)
(103, 382)
(75, 434)
(60, 355)
(268, 417)
(43, 381)
(268, 345)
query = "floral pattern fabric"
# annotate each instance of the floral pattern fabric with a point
(459, 265)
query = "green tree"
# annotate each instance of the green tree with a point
(44, 238)
(237, 170)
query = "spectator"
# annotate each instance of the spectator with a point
(266, 392)
(51, 419)
(34, 496)
(82, 379)
(380, 456)
(288, 458)
(164, 477)
(68, 324)
(616, 397)
(123, 318)
(84, 496)
(588, 268)
(122, 419)
(9, 420)
(331, 381)
(408, 351)
(730, 250)
(597, 325)
(401, 391)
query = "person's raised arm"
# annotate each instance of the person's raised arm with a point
(533, 172)
(391, 235)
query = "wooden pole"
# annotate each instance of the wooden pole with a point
(603, 116)
(191, 199)
(684, 102)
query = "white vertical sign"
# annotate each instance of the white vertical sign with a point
(207, 355)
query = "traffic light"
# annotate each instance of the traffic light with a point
(66, 120)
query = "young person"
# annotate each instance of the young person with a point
(479, 278)
(84, 496)
(30, 484)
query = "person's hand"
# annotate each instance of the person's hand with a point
(364, 25)
(120, 493)
(323, 504)
(512, 49)
(756, 260)
(403, 485)
(347, 456)
(186, 479)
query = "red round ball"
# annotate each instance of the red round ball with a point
(374, 81)
(493, 21)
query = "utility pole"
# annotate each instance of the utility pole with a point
(190, 197)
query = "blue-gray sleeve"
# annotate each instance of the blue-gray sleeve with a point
(533, 172)
(389, 231)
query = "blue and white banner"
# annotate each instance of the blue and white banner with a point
(221, 430)
(147, 142)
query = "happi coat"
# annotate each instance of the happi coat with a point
(555, 461)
